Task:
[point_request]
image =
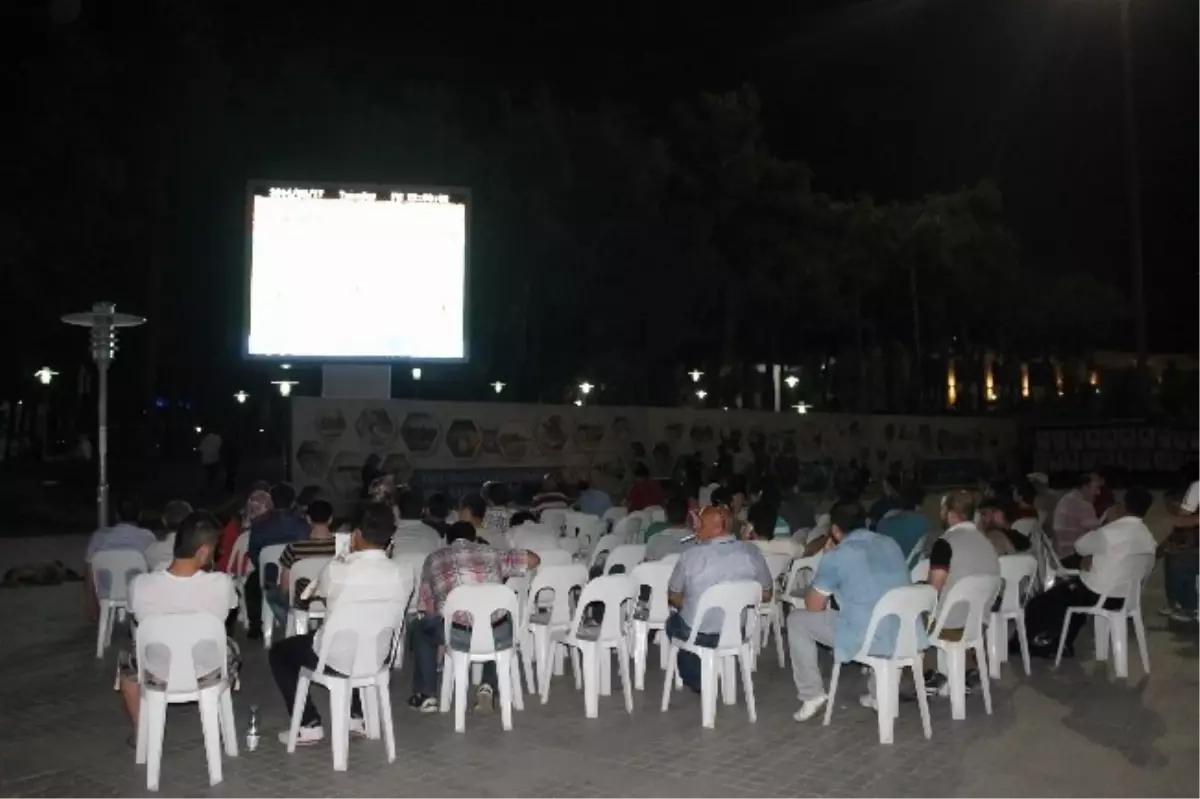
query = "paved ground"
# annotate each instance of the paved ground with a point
(1074, 732)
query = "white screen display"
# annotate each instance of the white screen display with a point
(349, 274)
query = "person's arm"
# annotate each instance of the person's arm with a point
(285, 567)
(825, 582)
(939, 563)
(762, 572)
(1088, 543)
(675, 584)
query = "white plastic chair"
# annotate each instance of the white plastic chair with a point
(596, 643)
(978, 592)
(179, 649)
(539, 622)
(731, 600)
(628, 530)
(920, 572)
(298, 619)
(797, 581)
(268, 564)
(654, 575)
(907, 604)
(554, 557)
(1051, 567)
(480, 602)
(585, 530)
(613, 515)
(1113, 624)
(555, 519)
(239, 568)
(916, 553)
(654, 514)
(771, 612)
(1019, 573)
(604, 546)
(627, 556)
(357, 640)
(112, 571)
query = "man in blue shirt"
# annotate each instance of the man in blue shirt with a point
(908, 527)
(282, 525)
(592, 500)
(858, 568)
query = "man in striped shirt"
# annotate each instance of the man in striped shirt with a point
(1075, 516)
(319, 544)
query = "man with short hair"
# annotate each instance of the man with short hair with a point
(187, 585)
(160, 554)
(471, 509)
(281, 525)
(857, 569)
(550, 497)
(1075, 516)
(367, 574)
(996, 515)
(437, 509)
(528, 533)
(670, 539)
(592, 500)
(463, 561)
(126, 534)
(319, 544)
(908, 527)
(413, 535)
(645, 491)
(497, 515)
(961, 551)
(1104, 547)
(888, 503)
(718, 557)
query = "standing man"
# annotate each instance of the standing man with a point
(210, 458)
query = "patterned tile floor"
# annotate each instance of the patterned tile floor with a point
(1074, 732)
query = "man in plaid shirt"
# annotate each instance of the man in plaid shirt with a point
(462, 562)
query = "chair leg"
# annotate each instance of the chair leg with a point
(885, 699)
(449, 673)
(623, 665)
(957, 667)
(833, 686)
(143, 728)
(604, 658)
(1139, 629)
(708, 689)
(668, 677)
(155, 708)
(1102, 632)
(514, 669)
(1119, 635)
(641, 645)
(984, 680)
(228, 723)
(505, 687)
(462, 679)
(748, 685)
(101, 631)
(339, 711)
(918, 675)
(1023, 640)
(383, 694)
(992, 635)
(210, 722)
(777, 626)
(1062, 637)
(727, 671)
(297, 712)
(370, 708)
(591, 682)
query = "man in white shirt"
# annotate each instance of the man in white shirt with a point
(126, 534)
(160, 554)
(367, 574)
(1181, 557)
(210, 457)
(526, 533)
(1105, 548)
(187, 585)
(412, 535)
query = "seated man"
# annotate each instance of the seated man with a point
(471, 509)
(187, 585)
(1104, 547)
(367, 574)
(526, 533)
(464, 561)
(413, 535)
(670, 539)
(498, 515)
(125, 534)
(718, 557)
(283, 524)
(319, 544)
(550, 497)
(437, 509)
(1181, 558)
(908, 526)
(160, 554)
(761, 530)
(997, 515)
(857, 569)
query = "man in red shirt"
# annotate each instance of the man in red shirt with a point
(645, 492)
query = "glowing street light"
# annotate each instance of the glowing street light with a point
(791, 381)
(498, 386)
(285, 366)
(696, 375)
(285, 386)
(701, 394)
(199, 429)
(45, 375)
(801, 407)
(416, 373)
(586, 387)
(579, 403)
(241, 397)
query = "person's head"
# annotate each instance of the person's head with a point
(997, 513)
(461, 530)
(319, 513)
(1137, 501)
(496, 494)
(1090, 485)
(307, 495)
(957, 507)
(641, 471)
(128, 509)
(521, 517)
(410, 503)
(261, 485)
(677, 511)
(258, 504)
(721, 497)
(375, 527)
(737, 494)
(714, 522)
(912, 497)
(845, 518)
(174, 513)
(582, 486)
(472, 508)
(437, 507)
(890, 488)
(1024, 492)
(283, 496)
(197, 538)
(770, 493)
(762, 519)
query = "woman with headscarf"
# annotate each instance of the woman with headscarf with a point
(257, 504)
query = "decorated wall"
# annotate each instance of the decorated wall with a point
(457, 445)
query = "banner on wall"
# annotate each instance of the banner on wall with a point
(1132, 449)
(455, 446)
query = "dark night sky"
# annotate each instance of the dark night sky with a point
(893, 97)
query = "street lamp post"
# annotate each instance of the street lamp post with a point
(1133, 176)
(104, 322)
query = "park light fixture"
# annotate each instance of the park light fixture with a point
(586, 388)
(701, 394)
(45, 375)
(241, 397)
(791, 381)
(801, 407)
(579, 403)
(416, 373)
(498, 386)
(199, 429)
(696, 375)
(285, 386)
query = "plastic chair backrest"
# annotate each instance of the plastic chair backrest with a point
(796, 572)
(561, 581)
(627, 530)
(920, 572)
(179, 648)
(916, 553)
(480, 602)
(613, 515)
(555, 557)
(238, 565)
(357, 638)
(626, 556)
(555, 519)
(655, 575)
(112, 571)
(777, 564)
(304, 569)
(589, 531)
(1015, 571)
(978, 592)
(654, 513)
(731, 599)
(613, 591)
(606, 544)
(268, 564)
(1132, 571)
(906, 603)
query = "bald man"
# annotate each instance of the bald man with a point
(718, 557)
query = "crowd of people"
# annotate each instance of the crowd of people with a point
(720, 531)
